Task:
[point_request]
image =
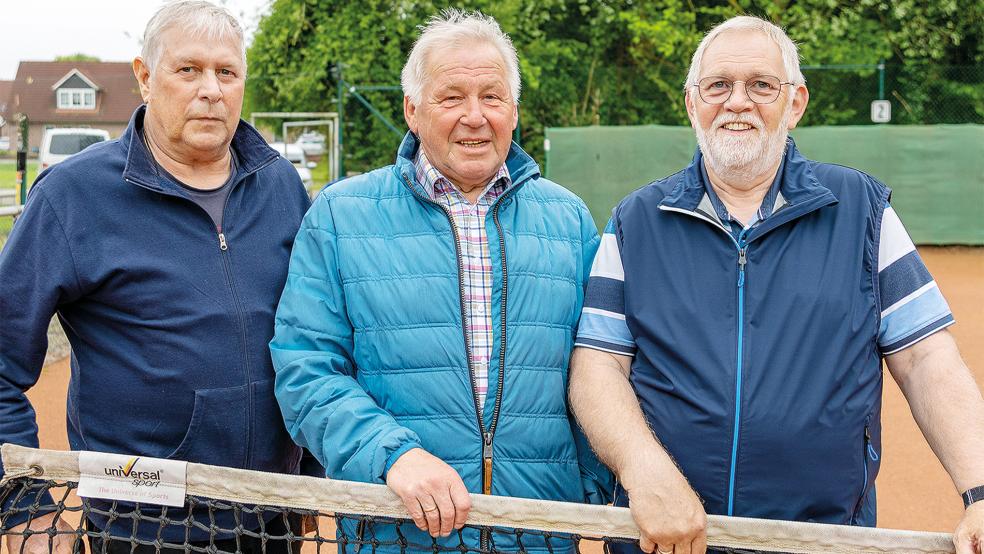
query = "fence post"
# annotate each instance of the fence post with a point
(340, 83)
(22, 146)
(881, 79)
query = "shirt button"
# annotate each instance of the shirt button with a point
(480, 309)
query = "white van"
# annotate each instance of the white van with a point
(59, 144)
(295, 155)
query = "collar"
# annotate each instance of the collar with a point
(772, 202)
(520, 166)
(434, 181)
(795, 185)
(252, 152)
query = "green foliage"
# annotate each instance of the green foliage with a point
(619, 62)
(77, 57)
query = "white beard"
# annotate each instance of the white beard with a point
(746, 157)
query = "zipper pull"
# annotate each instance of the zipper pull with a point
(742, 260)
(487, 464)
(222, 242)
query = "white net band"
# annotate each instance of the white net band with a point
(331, 496)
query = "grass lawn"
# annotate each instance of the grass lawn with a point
(8, 176)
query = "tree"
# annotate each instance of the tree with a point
(77, 57)
(620, 62)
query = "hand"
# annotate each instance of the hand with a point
(669, 515)
(432, 491)
(61, 543)
(969, 536)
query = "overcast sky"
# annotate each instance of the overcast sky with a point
(35, 30)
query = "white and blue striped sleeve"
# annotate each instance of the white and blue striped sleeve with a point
(912, 305)
(602, 325)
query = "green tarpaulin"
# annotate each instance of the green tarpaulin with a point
(936, 172)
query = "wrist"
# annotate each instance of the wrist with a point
(973, 495)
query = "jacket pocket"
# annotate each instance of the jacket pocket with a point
(869, 465)
(217, 432)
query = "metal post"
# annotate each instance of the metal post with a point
(881, 79)
(22, 146)
(341, 114)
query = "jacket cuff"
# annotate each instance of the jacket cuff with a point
(395, 455)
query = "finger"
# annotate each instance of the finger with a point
(699, 546)
(416, 512)
(646, 543)
(963, 544)
(446, 508)
(682, 547)
(664, 548)
(462, 503)
(432, 514)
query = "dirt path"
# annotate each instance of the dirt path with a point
(913, 490)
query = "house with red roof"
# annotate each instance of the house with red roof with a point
(100, 95)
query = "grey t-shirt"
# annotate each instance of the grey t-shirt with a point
(212, 201)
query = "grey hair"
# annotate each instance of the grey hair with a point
(457, 28)
(196, 17)
(790, 54)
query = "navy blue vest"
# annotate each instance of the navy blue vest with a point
(758, 366)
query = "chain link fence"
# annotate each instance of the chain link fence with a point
(922, 94)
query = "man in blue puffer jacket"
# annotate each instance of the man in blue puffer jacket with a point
(423, 336)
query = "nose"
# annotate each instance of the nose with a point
(473, 116)
(210, 88)
(739, 100)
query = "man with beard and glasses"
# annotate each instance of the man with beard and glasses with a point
(737, 316)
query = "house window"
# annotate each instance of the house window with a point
(76, 99)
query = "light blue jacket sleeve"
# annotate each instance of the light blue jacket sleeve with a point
(597, 480)
(325, 408)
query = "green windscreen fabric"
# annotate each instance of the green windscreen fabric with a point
(936, 172)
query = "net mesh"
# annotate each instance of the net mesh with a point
(229, 510)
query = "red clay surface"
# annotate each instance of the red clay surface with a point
(913, 490)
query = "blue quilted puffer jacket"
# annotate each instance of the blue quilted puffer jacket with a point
(370, 354)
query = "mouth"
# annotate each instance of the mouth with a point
(738, 126)
(473, 143)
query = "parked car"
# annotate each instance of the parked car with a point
(59, 144)
(312, 142)
(295, 155)
(4, 143)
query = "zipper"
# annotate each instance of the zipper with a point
(867, 452)
(487, 451)
(488, 434)
(742, 261)
(464, 321)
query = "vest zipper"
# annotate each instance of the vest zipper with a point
(742, 261)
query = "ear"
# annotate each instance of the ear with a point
(142, 73)
(801, 97)
(515, 115)
(410, 114)
(691, 108)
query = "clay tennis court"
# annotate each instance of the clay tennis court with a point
(913, 490)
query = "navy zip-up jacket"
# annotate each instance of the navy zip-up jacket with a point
(758, 365)
(168, 324)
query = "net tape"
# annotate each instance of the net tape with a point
(251, 492)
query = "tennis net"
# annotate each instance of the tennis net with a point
(234, 508)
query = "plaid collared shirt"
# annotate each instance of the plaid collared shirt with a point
(475, 259)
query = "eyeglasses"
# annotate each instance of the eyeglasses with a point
(761, 89)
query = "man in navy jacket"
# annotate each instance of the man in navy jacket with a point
(737, 316)
(163, 253)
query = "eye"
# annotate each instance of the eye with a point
(226, 72)
(451, 100)
(187, 69)
(761, 85)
